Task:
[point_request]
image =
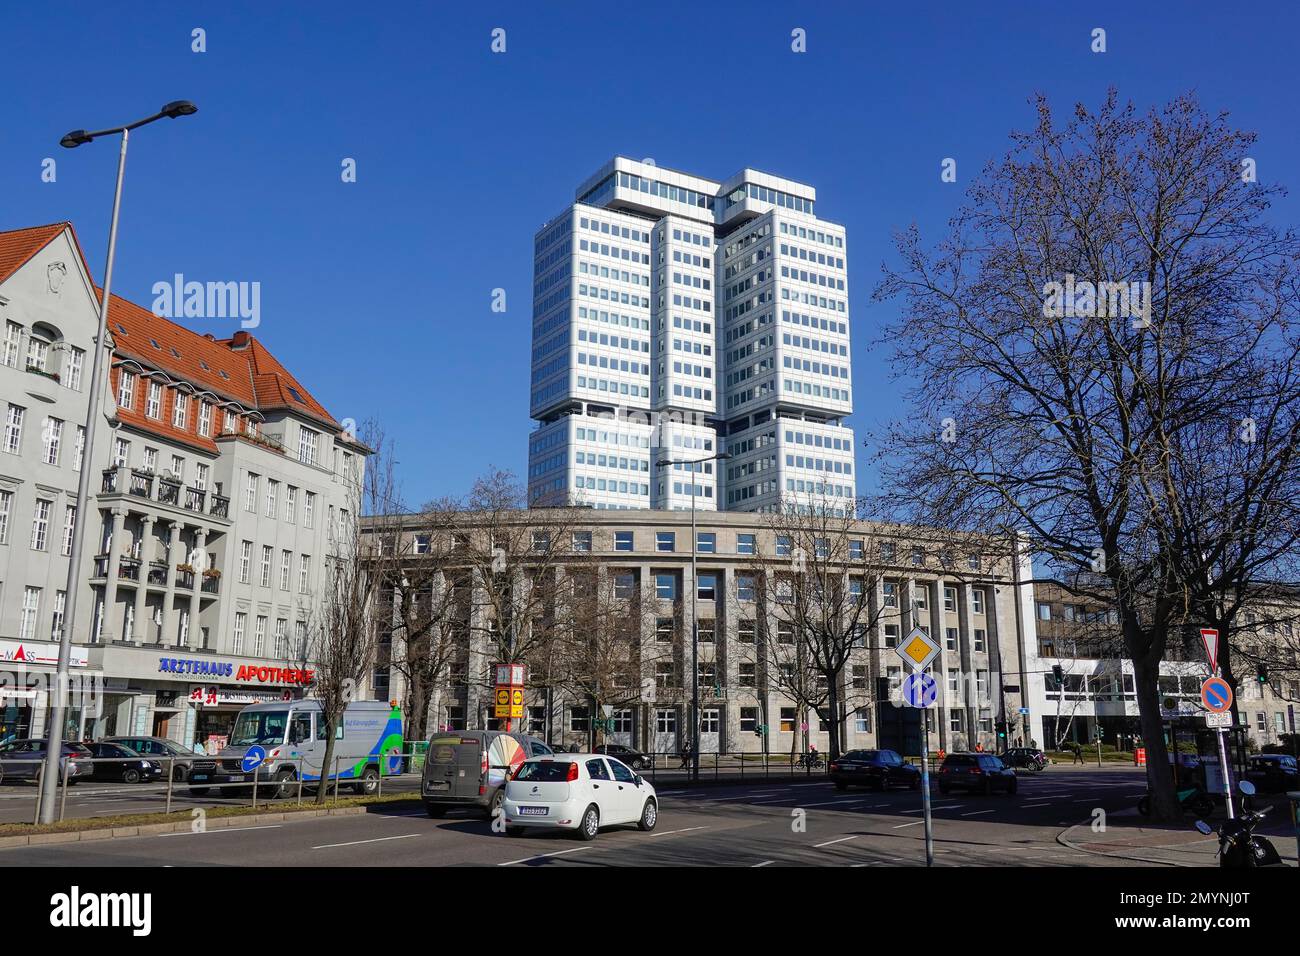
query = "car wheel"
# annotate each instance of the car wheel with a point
(130, 776)
(590, 824)
(369, 781)
(638, 764)
(494, 804)
(198, 791)
(649, 816)
(841, 785)
(179, 774)
(437, 811)
(282, 785)
(1144, 806)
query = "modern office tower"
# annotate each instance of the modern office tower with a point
(676, 317)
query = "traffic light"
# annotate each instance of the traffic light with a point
(1001, 727)
(1261, 673)
(758, 730)
(1058, 674)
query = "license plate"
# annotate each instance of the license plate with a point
(439, 785)
(199, 776)
(533, 811)
(237, 778)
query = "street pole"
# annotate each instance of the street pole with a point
(695, 643)
(59, 702)
(925, 789)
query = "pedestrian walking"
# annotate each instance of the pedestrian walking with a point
(686, 754)
(1078, 753)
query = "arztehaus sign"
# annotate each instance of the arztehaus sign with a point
(244, 673)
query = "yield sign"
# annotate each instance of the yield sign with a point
(918, 649)
(1210, 638)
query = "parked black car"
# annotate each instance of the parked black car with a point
(182, 762)
(877, 769)
(21, 759)
(633, 758)
(122, 764)
(975, 772)
(1273, 773)
(1028, 757)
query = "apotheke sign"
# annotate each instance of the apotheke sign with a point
(243, 673)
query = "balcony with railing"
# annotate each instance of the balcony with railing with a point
(195, 499)
(141, 484)
(211, 584)
(169, 491)
(185, 577)
(158, 573)
(128, 569)
(220, 507)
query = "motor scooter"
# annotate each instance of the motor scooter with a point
(1239, 847)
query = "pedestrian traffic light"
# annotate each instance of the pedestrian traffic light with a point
(1001, 727)
(1058, 674)
(1261, 673)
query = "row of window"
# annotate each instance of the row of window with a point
(43, 514)
(614, 318)
(804, 232)
(616, 252)
(614, 388)
(52, 437)
(272, 501)
(808, 255)
(266, 569)
(41, 350)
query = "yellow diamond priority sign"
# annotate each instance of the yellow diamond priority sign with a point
(917, 649)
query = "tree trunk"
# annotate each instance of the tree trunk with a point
(833, 708)
(1160, 781)
(327, 764)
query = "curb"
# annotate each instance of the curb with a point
(220, 823)
(1063, 839)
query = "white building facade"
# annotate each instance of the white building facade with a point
(676, 317)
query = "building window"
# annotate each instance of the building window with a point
(205, 418)
(859, 677)
(744, 587)
(665, 630)
(237, 640)
(578, 720)
(266, 566)
(272, 493)
(281, 638)
(709, 721)
(622, 540)
(748, 719)
(977, 638)
(950, 637)
(891, 635)
(125, 389)
(41, 524)
(666, 586)
(286, 562)
(309, 509)
(665, 541)
(891, 593)
(541, 541)
(304, 573)
(625, 585)
(784, 546)
(977, 600)
(747, 632)
(69, 529)
(6, 505)
(259, 637)
(665, 721)
(245, 560)
(14, 429)
(708, 587)
(30, 614)
(308, 445)
(748, 675)
(664, 676)
(250, 493)
(53, 436)
(180, 410)
(787, 720)
(744, 544)
(582, 541)
(706, 542)
(153, 406)
(706, 628)
(56, 623)
(784, 632)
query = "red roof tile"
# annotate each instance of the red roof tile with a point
(19, 245)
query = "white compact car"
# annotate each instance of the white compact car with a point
(581, 792)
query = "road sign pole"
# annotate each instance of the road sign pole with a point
(925, 790)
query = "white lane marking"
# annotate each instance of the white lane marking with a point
(682, 830)
(1031, 806)
(879, 805)
(914, 824)
(975, 813)
(957, 806)
(330, 846)
(670, 793)
(542, 856)
(764, 863)
(828, 803)
(272, 826)
(817, 846)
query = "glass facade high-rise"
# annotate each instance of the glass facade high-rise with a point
(675, 317)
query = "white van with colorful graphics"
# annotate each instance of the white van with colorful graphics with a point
(291, 735)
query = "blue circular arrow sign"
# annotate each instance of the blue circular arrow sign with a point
(1216, 695)
(920, 690)
(253, 758)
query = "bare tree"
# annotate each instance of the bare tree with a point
(817, 587)
(1091, 305)
(342, 632)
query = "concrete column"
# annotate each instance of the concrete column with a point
(200, 541)
(967, 663)
(142, 586)
(169, 615)
(938, 630)
(110, 584)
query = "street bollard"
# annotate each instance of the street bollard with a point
(63, 797)
(257, 774)
(37, 818)
(171, 775)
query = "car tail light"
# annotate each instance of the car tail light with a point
(573, 772)
(974, 770)
(482, 773)
(835, 766)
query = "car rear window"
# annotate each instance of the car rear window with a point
(544, 771)
(955, 761)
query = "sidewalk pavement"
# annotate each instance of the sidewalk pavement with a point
(1130, 836)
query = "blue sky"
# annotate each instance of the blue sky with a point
(377, 294)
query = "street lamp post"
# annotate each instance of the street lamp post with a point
(58, 698)
(694, 722)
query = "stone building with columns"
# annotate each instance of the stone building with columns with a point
(216, 485)
(977, 606)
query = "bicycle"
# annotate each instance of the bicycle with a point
(806, 762)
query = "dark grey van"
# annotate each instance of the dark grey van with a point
(469, 768)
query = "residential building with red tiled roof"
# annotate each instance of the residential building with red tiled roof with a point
(218, 481)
